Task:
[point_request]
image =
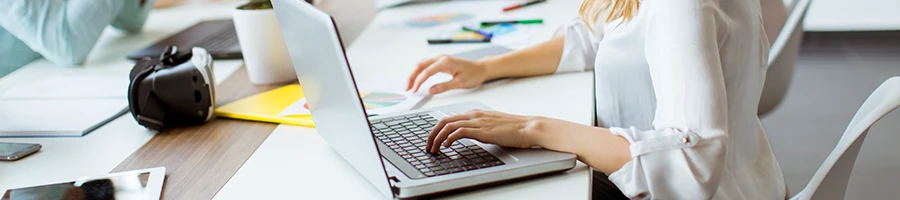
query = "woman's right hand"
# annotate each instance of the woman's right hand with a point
(466, 74)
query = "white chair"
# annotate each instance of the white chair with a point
(782, 57)
(830, 181)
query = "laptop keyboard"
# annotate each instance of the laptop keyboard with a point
(220, 41)
(407, 136)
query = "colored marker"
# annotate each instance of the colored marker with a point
(524, 21)
(479, 31)
(455, 41)
(517, 6)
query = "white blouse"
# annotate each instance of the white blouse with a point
(681, 82)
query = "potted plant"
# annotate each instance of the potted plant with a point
(262, 45)
(256, 5)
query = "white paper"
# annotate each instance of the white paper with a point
(76, 87)
(412, 100)
(523, 33)
(381, 4)
(70, 117)
(297, 108)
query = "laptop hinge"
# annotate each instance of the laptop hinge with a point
(394, 189)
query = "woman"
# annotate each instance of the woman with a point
(677, 88)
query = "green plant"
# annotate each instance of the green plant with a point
(256, 5)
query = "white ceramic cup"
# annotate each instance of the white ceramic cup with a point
(265, 54)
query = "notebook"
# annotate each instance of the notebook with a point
(62, 106)
(266, 106)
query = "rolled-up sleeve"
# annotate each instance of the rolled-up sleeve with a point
(64, 31)
(580, 48)
(684, 156)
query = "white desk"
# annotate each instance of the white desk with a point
(294, 162)
(65, 159)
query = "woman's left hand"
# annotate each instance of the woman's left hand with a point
(485, 126)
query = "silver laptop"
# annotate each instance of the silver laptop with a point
(388, 150)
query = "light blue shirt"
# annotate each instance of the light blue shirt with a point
(62, 31)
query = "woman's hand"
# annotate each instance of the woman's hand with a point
(485, 126)
(466, 74)
(596, 146)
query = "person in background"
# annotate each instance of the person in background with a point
(62, 31)
(677, 88)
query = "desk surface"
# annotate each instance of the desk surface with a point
(296, 162)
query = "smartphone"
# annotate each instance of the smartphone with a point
(15, 151)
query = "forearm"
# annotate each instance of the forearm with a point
(595, 146)
(540, 59)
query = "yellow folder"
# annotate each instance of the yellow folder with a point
(265, 107)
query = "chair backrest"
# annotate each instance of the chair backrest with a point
(791, 33)
(830, 181)
(782, 57)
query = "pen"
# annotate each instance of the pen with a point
(517, 6)
(479, 31)
(523, 21)
(452, 41)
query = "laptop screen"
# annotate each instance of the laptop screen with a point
(332, 96)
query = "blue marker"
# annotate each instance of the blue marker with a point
(479, 31)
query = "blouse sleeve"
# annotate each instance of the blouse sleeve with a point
(580, 48)
(684, 156)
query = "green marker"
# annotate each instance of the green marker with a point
(524, 21)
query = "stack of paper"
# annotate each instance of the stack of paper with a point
(64, 106)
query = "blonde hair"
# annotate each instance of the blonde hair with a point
(590, 10)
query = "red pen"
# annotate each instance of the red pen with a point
(517, 6)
